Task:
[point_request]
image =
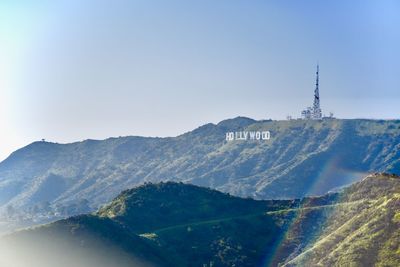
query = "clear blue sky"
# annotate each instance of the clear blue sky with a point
(72, 70)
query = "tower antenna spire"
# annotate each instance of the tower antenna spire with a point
(314, 112)
(317, 113)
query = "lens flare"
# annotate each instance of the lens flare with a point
(331, 174)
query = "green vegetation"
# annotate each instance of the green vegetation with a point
(363, 233)
(175, 224)
(302, 158)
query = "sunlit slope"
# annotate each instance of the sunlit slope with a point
(302, 157)
(366, 232)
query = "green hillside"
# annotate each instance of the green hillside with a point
(175, 224)
(366, 232)
(154, 206)
(50, 180)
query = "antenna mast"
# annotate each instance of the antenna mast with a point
(317, 113)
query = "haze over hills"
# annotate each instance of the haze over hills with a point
(303, 157)
(175, 224)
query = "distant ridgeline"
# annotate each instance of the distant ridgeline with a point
(301, 157)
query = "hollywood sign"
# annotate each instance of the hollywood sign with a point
(248, 135)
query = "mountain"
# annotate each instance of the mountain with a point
(176, 224)
(303, 157)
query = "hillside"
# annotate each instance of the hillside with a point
(364, 233)
(174, 224)
(166, 224)
(49, 180)
(81, 241)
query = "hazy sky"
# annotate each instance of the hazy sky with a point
(73, 70)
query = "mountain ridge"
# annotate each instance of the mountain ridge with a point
(302, 158)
